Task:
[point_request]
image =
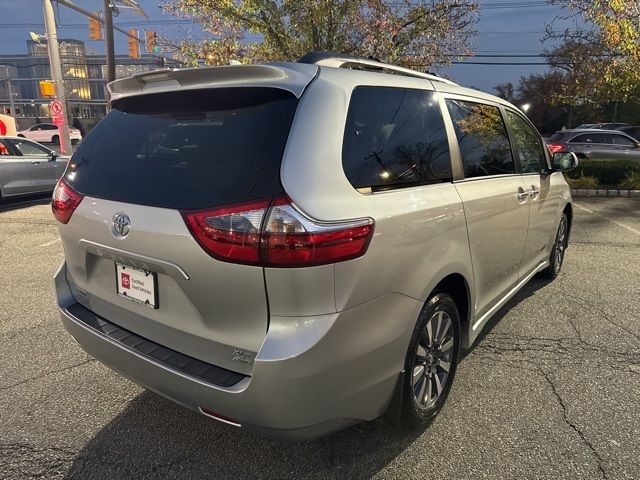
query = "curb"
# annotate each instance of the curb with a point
(579, 192)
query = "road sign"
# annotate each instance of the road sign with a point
(56, 108)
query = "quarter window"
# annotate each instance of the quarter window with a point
(482, 137)
(620, 140)
(530, 150)
(395, 137)
(28, 148)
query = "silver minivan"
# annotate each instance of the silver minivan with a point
(293, 248)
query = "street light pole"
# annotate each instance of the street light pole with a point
(56, 74)
(7, 79)
(108, 36)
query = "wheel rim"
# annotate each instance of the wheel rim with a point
(433, 360)
(558, 251)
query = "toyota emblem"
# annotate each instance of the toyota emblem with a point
(121, 224)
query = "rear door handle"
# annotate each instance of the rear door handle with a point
(534, 192)
(522, 195)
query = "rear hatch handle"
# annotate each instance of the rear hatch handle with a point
(134, 259)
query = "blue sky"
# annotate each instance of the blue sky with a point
(502, 30)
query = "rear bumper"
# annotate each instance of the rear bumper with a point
(312, 375)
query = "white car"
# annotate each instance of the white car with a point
(48, 133)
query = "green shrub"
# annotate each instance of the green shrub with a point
(588, 183)
(630, 182)
(608, 172)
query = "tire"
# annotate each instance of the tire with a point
(557, 251)
(434, 346)
(55, 140)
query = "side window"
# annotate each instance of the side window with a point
(482, 136)
(620, 140)
(582, 139)
(49, 127)
(604, 138)
(28, 148)
(395, 137)
(4, 149)
(530, 149)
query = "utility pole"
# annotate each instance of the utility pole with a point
(7, 79)
(108, 36)
(56, 74)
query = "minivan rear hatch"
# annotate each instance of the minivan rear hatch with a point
(130, 255)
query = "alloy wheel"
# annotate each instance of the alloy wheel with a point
(559, 247)
(433, 360)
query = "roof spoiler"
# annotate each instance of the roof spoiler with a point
(293, 77)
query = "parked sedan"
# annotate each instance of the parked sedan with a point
(27, 167)
(596, 144)
(48, 133)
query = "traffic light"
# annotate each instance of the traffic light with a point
(95, 29)
(150, 41)
(134, 47)
(47, 88)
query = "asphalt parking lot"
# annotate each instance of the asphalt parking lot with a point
(552, 391)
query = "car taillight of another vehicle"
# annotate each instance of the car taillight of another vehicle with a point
(276, 234)
(64, 202)
(555, 147)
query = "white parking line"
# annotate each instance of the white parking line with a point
(50, 243)
(620, 224)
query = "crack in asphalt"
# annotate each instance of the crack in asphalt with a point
(46, 374)
(574, 427)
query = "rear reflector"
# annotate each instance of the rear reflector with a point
(277, 234)
(220, 418)
(64, 202)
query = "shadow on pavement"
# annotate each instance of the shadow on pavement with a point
(7, 205)
(155, 438)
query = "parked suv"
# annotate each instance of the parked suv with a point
(596, 144)
(292, 248)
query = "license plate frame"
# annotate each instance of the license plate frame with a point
(137, 285)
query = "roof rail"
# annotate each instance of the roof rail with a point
(340, 60)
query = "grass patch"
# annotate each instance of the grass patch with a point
(630, 182)
(583, 182)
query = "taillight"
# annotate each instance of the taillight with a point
(277, 234)
(230, 233)
(555, 147)
(64, 202)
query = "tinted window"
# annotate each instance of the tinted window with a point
(620, 140)
(482, 136)
(186, 150)
(395, 137)
(4, 149)
(603, 138)
(530, 149)
(556, 137)
(48, 126)
(27, 148)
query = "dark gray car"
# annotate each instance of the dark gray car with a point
(596, 144)
(27, 167)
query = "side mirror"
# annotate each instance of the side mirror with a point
(565, 161)
(53, 156)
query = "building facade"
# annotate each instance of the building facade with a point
(84, 79)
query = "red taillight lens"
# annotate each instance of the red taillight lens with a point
(555, 147)
(230, 233)
(64, 202)
(277, 235)
(290, 239)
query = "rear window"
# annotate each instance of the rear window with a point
(187, 150)
(556, 137)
